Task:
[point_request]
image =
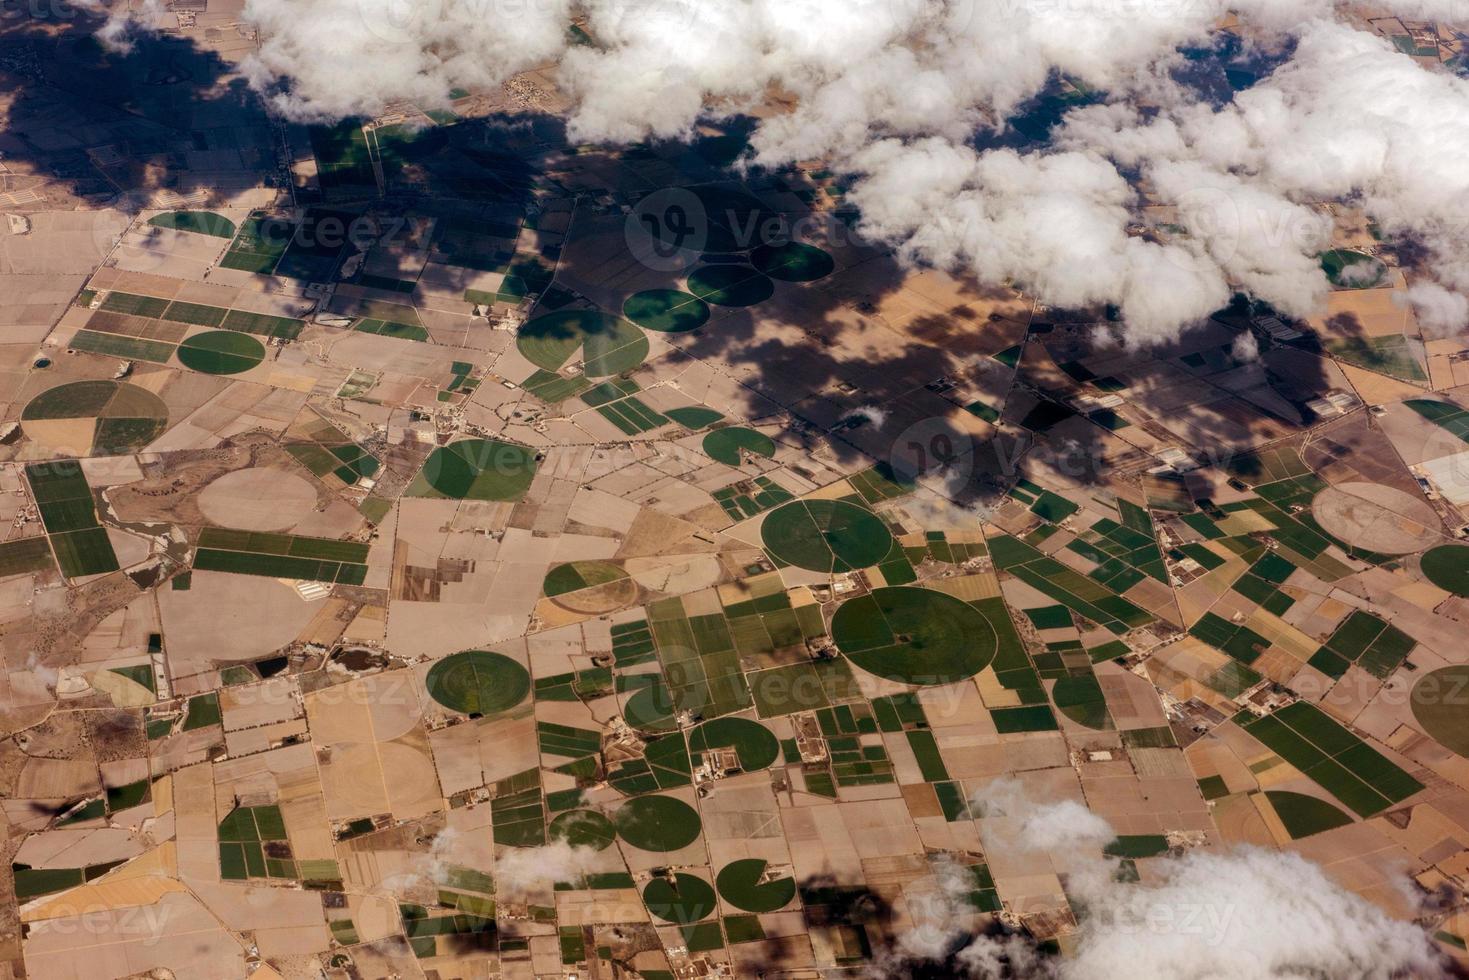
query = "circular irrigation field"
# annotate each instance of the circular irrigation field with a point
(1352, 270)
(657, 823)
(592, 587)
(730, 285)
(793, 262)
(478, 682)
(685, 899)
(666, 310)
(220, 352)
(726, 445)
(651, 709)
(584, 828)
(755, 745)
(477, 469)
(1377, 517)
(94, 418)
(914, 636)
(609, 344)
(739, 882)
(1447, 567)
(1440, 702)
(826, 535)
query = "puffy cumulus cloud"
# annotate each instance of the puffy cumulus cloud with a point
(327, 59)
(893, 92)
(1249, 914)
(1055, 224)
(1441, 312)
(526, 870)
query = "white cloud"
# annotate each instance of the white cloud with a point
(526, 870)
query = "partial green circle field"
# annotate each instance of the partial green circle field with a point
(693, 417)
(584, 828)
(739, 882)
(477, 469)
(221, 352)
(725, 445)
(793, 262)
(826, 535)
(755, 746)
(914, 636)
(609, 344)
(577, 575)
(478, 682)
(1447, 567)
(1304, 815)
(1440, 703)
(199, 222)
(651, 709)
(666, 310)
(1365, 273)
(657, 823)
(730, 285)
(94, 418)
(685, 899)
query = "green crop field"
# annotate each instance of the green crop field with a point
(657, 823)
(221, 352)
(199, 222)
(577, 575)
(1447, 567)
(477, 469)
(915, 636)
(694, 417)
(793, 262)
(584, 828)
(1304, 815)
(666, 310)
(478, 682)
(826, 535)
(754, 744)
(730, 285)
(687, 898)
(728, 444)
(1440, 703)
(609, 344)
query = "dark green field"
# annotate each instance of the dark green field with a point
(1371, 271)
(730, 285)
(740, 885)
(657, 823)
(793, 262)
(1305, 815)
(914, 636)
(199, 222)
(725, 445)
(577, 575)
(221, 352)
(688, 898)
(1447, 567)
(1441, 707)
(609, 344)
(584, 828)
(756, 746)
(477, 469)
(825, 535)
(478, 682)
(666, 310)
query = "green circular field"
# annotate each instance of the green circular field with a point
(478, 682)
(1441, 707)
(657, 823)
(793, 262)
(1368, 271)
(199, 222)
(650, 709)
(1447, 567)
(583, 828)
(220, 352)
(724, 445)
(755, 745)
(609, 344)
(914, 636)
(686, 899)
(666, 310)
(730, 285)
(94, 418)
(739, 882)
(694, 417)
(477, 469)
(826, 535)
